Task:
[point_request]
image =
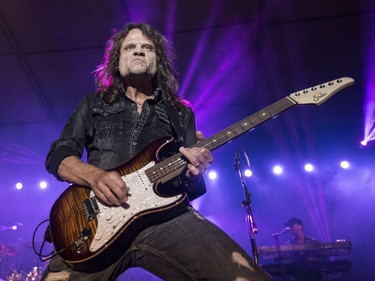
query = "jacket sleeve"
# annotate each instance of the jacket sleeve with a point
(72, 139)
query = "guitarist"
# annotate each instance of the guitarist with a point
(133, 107)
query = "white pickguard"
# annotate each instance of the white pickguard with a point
(142, 197)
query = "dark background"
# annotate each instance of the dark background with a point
(233, 58)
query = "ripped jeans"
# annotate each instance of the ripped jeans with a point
(188, 247)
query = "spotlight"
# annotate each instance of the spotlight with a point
(16, 226)
(363, 143)
(248, 173)
(345, 165)
(212, 175)
(309, 167)
(19, 185)
(278, 170)
(43, 185)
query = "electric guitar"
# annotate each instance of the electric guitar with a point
(84, 230)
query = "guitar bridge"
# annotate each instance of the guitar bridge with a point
(90, 208)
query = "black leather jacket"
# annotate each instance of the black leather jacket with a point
(113, 134)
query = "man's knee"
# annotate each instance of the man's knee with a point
(56, 276)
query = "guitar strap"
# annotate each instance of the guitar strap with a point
(176, 124)
(192, 189)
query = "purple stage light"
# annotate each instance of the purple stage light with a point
(345, 165)
(248, 173)
(278, 170)
(212, 175)
(43, 184)
(309, 167)
(369, 100)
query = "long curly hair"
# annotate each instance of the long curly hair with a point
(110, 84)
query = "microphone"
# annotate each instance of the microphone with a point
(286, 229)
(236, 165)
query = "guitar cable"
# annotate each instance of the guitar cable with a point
(46, 238)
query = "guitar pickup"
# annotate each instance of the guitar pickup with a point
(90, 208)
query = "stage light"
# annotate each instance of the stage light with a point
(309, 167)
(345, 165)
(43, 185)
(278, 170)
(369, 124)
(212, 175)
(16, 226)
(19, 185)
(248, 173)
(363, 143)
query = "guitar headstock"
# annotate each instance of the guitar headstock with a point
(320, 93)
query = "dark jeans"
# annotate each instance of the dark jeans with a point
(188, 247)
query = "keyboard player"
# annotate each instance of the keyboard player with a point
(303, 258)
(295, 226)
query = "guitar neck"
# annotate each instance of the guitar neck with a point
(175, 164)
(246, 124)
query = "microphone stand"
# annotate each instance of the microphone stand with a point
(279, 257)
(252, 228)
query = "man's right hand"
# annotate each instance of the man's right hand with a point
(110, 188)
(107, 186)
